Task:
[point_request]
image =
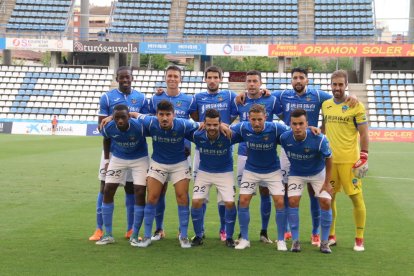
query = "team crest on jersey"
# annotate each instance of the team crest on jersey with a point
(132, 138)
(345, 108)
(219, 98)
(179, 103)
(266, 137)
(220, 144)
(133, 101)
(306, 150)
(174, 133)
(308, 98)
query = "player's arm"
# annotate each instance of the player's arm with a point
(106, 147)
(328, 171)
(323, 126)
(195, 116)
(360, 167)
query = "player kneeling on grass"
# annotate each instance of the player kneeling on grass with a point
(216, 168)
(310, 162)
(129, 151)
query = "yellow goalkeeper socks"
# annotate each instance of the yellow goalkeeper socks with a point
(360, 214)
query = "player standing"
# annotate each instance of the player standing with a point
(347, 130)
(310, 162)
(262, 168)
(254, 96)
(136, 102)
(168, 162)
(126, 137)
(216, 168)
(182, 103)
(218, 99)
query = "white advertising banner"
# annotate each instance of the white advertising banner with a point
(39, 44)
(34, 128)
(237, 50)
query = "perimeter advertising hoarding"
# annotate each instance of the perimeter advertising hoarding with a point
(390, 135)
(172, 48)
(39, 44)
(237, 49)
(342, 50)
(105, 47)
(34, 128)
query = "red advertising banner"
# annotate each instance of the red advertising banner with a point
(385, 135)
(342, 50)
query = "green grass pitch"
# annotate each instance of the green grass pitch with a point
(47, 212)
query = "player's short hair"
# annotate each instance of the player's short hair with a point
(257, 108)
(173, 68)
(213, 69)
(299, 112)
(124, 68)
(299, 70)
(212, 114)
(165, 105)
(254, 73)
(340, 74)
(121, 107)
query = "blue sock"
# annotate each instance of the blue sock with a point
(244, 220)
(138, 217)
(293, 218)
(149, 214)
(197, 217)
(222, 211)
(315, 213)
(230, 216)
(159, 213)
(286, 201)
(326, 220)
(204, 207)
(280, 223)
(99, 220)
(265, 209)
(107, 214)
(183, 216)
(129, 204)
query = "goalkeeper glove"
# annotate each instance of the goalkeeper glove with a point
(360, 168)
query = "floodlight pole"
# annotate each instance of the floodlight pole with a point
(84, 20)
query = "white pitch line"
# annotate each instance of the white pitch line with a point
(390, 177)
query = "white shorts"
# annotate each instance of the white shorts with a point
(298, 183)
(117, 170)
(284, 165)
(273, 181)
(223, 181)
(241, 163)
(169, 172)
(102, 172)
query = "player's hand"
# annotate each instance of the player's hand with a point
(360, 168)
(241, 98)
(201, 126)
(265, 92)
(224, 128)
(187, 151)
(104, 122)
(327, 187)
(134, 114)
(159, 91)
(352, 101)
(106, 167)
(315, 130)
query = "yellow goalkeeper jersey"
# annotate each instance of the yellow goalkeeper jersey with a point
(341, 129)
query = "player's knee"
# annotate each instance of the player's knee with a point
(325, 203)
(182, 199)
(102, 187)
(294, 201)
(139, 192)
(229, 204)
(279, 202)
(244, 201)
(197, 203)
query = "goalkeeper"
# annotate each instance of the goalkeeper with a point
(342, 124)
